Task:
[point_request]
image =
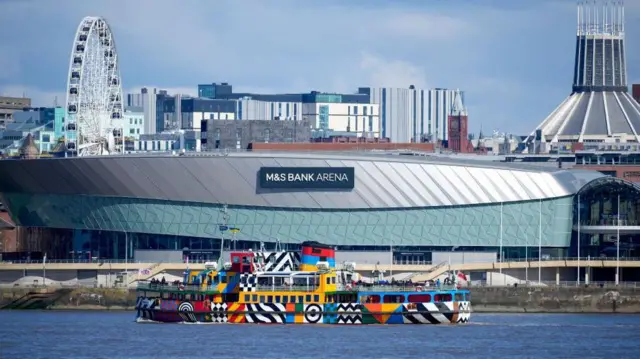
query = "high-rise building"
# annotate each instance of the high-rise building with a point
(411, 114)
(149, 109)
(330, 114)
(599, 109)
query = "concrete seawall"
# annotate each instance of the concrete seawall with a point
(496, 300)
(556, 300)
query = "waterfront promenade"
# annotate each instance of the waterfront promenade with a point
(551, 270)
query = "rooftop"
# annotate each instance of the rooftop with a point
(408, 156)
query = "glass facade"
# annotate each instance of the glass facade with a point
(587, 224)
(156, 224)
(604, 213)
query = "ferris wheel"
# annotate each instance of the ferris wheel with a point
(94, 112)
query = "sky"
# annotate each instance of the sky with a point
(513, 59)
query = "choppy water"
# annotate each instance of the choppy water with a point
(53, 334)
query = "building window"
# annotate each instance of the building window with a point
(267, 133)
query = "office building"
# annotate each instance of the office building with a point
(411, 114)
(133, 122)
(8, 105)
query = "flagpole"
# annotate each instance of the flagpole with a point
(501, 207)
(618, 245)
(578, 239)
(44, 270)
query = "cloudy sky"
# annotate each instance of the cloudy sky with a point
(513, 58)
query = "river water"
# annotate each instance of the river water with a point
(79, 334)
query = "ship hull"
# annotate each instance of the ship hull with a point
(171, 311)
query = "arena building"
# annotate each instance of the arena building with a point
(411, 204)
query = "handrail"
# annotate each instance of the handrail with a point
(552, 284)
(173, 287)
(397, 262)
(550, 259)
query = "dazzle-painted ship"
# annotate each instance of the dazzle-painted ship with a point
(302, 287)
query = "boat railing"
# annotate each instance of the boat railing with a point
(395, 288)
(142, 285)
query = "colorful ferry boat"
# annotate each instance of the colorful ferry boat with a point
(302, 287)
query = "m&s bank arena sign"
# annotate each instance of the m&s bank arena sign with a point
(307, 177)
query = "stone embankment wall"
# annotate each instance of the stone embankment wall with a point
(556, 300)
(82, 298)
(498, 300)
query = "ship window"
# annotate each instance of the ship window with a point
(419, 298)
(293, 299)
(285, 299)
(328, 280)
(459, 297)
(254, 298)
(165, 295)
(247, 297)
(333, 280)
(323, 259)
(300, 299)
(277, 299)
(316, 251)
(262, 299)
(394, 298)
(269, 299)
(187, 297)
(223, 279)
(446, 297)
(230, 297)
(308, 299)
(316, 298)
(245, 260)
(371, 299)
(236, 260)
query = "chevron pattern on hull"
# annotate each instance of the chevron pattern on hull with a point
(265, 313)
(349, 313)
(464, 312)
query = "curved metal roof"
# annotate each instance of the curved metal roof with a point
(381, 181)
(592, 115)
